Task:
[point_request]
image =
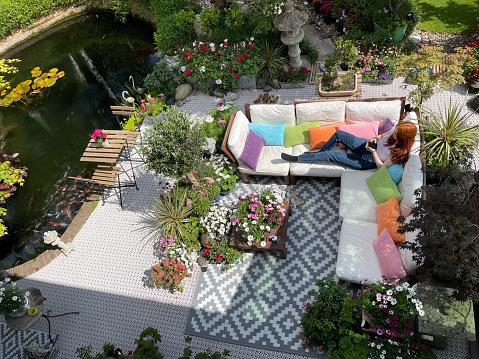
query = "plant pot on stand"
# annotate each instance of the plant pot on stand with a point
(398, 32)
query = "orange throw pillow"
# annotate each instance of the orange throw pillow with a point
(388, 213)
(319, 135)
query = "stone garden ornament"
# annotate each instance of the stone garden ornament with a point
(51, 237)
(289, 23)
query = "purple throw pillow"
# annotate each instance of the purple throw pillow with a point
(385, 126)
(252, 149)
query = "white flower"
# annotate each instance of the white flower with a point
(246, 229)
(219, 82)
(27, 294)
(225, 40)
(7, 280)
(251, 38)
(212, 45)
(202, 69)
(14, 298)
(421, 313)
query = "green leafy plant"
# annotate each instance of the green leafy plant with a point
(173, 146)
(447, 238)
(350, 346)
(10, 176)
(345, 52)
(449, 136)
(216, 122)
(160, 81)
(152, 106)
(169, 273)
(417, 69)
(293, 75)
(308, 49)
(6, 68)
(258, 213)
(171, 217)
(386, 348)
(11, 297)
(224, 173)
(210, 18)
(329, 316)
(235, 16)
(208, 354)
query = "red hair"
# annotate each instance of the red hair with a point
(401, 144)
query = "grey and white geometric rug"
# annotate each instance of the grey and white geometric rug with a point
(258, 303)
(13, 342)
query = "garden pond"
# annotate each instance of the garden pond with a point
(98, 55)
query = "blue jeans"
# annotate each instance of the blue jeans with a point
(360, 159)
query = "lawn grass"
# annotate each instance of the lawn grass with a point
(449, 16)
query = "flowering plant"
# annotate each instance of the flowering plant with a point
(289, 74)
(470, 66)
(217, 120)
(11, 297)
(258, 213)
(151, 106)
(390, 308)
(378, 63)
(220, 252)
(217, 221)
(169, 272)
(99, 135)
(381, 348)
(225, 173)
(218, 64)
(164, 244)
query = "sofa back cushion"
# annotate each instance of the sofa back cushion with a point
(238, 133)
(272, 114)
(412, 179)
(360, 111)
(327, 112)
(410, 265)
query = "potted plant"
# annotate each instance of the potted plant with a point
(450, 140)
(331, 315)
(258, 215)
(225, 173)
(12, 298)
(218, 251)
(389, 308)
(391, 21)
(100, 137)
(470, 65)
(378, 64)
(169, 273)
(387, 348)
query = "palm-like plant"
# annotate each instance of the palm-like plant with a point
(171, 216)
(450, 138)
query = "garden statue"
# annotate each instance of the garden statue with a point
(51, 237)
(290, 24)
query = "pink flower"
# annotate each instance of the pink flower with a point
(221, 121)
(188, 202)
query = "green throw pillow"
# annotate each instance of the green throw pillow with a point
(296, 135)
(382, 186)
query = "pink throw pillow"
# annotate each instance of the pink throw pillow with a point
(388, 256)
(365, 130)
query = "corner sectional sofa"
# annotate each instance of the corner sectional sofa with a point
(357, 258)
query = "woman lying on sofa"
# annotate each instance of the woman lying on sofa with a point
(392, 147)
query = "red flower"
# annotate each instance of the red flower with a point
(188, 72)
(235, 74)
(229, 67)
(207, 251)
(250, 46)
(219, 257)
(240, 57)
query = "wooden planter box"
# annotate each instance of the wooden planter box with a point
(340, 93)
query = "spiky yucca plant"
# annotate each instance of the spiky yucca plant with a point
(172, 216)
(450, 137)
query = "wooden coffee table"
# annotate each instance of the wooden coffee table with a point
(237, 241)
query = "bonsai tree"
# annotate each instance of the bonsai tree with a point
(447, 240)
(418, 69)
(173, 146)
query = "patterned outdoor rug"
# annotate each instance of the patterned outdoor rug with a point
(259, 302)
(13, 343)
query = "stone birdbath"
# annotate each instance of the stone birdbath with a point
(290, 23)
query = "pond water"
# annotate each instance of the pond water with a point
(98, 54)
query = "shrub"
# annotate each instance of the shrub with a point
(160, 81)
(173, 146)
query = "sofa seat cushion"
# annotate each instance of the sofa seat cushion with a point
(356, 200)
(269, 162)
(317, 169)
(361, 111)
(273, 114)
(357, 259)
(327, 112)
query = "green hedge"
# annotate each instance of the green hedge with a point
(19, 13)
